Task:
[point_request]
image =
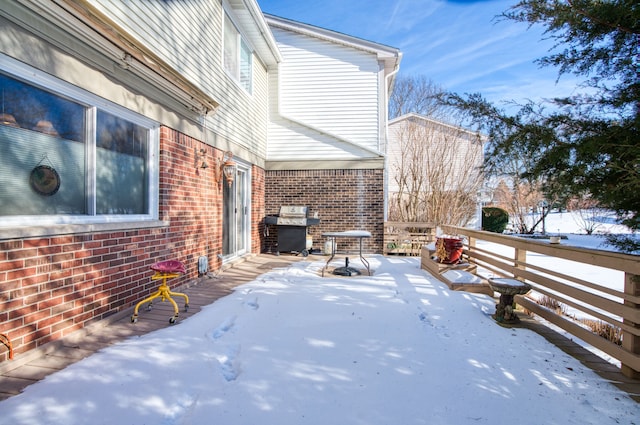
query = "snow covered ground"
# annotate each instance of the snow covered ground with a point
(573, 222)
(571, 225)
(292, 347)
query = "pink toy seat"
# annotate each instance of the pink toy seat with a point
(169, 266)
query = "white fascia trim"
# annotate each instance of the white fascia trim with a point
(339, 164)
(382, 51)
(266, 47)
(258, 17)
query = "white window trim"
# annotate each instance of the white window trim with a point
(241, 40)
(55, 85)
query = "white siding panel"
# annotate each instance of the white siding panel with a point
(187, 34)
(393, 155)
(330, 87)
(290, 140)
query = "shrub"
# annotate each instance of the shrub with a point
(553, 304)
(605, 330)
(494, 219)
(598, 327)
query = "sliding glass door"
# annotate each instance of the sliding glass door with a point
(236, 222)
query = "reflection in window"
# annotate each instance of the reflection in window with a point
(28, 107)
(230, 47)
(245, 66)
(41, 137)
(60, 157)
(237, 55)
(121, 174)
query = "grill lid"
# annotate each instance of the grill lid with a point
(292, 221)
(292, 215)
(293, 211)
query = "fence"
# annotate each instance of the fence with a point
(619, 308)
(403, 238)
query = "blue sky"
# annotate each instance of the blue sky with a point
(457, 44)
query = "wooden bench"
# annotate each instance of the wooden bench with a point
(458, 277)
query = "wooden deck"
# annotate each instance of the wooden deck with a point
(24, 370)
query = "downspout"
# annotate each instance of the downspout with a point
(386, 141)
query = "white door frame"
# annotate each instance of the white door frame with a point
(236, 213)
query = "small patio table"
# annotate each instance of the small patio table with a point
(350, 234)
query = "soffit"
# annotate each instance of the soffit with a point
(255, 28)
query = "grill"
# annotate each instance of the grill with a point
(292, 223)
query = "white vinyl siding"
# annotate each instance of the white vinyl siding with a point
(289, 139)
(328, 100)
(188, 35)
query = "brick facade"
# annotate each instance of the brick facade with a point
(52, 286)
(258, 179)
(344, 200)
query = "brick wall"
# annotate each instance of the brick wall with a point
(344, 200)
(257, 208)
(52, 286)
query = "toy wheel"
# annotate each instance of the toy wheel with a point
(186, 307)
(305, 253)
(134, 319)
(149, 307)
(172, 320)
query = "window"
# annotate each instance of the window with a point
(121, 153)
(69, 157)
(237, 55)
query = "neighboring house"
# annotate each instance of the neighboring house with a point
(328, 118)
(434, 171)
(110, 109)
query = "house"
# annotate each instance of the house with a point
(116, 118)
(434, 171)
(327, 127)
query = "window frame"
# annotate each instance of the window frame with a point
(92, 103)
(241, 45)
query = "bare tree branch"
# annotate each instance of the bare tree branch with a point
(436, 172)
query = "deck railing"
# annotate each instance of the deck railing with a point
(550, 270)
(405, 238)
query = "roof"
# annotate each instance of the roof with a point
(391, 56)
(414, 116)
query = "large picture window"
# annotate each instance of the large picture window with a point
(237, 55)
(66, 159)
